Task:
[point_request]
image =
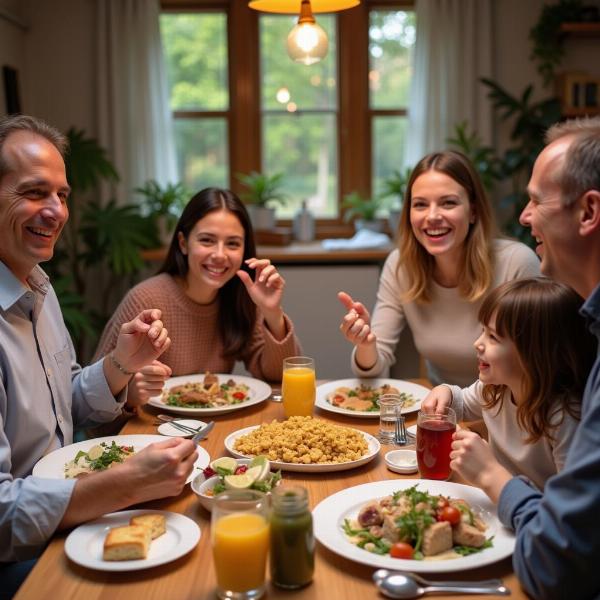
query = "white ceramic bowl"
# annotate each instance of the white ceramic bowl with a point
(401, 461)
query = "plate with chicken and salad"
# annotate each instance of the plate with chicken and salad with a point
(210, 394)
(417, 525)
(360, 397)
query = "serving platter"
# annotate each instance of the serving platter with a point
(372, 451)
(330, 513)
(258, 391)
(52, 466)
(324, 390)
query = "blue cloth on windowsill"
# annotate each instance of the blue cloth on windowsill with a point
(365, 238)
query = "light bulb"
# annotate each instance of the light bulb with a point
(307, 43)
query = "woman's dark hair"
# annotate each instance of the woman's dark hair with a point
(554, 348)
(237, 312)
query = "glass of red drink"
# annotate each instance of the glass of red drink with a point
(434, 440)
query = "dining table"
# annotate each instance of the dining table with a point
(192, 576)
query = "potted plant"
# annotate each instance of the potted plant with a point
(163, 205)
(262, 190)
(363, 210)
(394, 190)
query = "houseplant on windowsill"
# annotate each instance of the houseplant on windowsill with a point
(363, 210)
(262, 190)
(394, 189)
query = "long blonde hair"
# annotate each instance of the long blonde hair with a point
(476, 272)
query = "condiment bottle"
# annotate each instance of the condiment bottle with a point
(303, 226)
(292, 554)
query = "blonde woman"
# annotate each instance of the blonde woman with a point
(449, 257)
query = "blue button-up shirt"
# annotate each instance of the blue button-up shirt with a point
(558, 532)
(43, 394)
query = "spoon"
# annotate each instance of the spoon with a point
(403, 586)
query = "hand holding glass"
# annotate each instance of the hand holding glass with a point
(298, 387)
(434, 441)
(240, 542)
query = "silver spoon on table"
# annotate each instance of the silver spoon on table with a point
(405, 586)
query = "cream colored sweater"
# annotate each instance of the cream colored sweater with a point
(193, 328)
(445, 328)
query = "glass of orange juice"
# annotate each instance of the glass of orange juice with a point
(298, 387)
(240, 543)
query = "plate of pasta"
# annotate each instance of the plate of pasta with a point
(210, 394)
(360, 397)
(99, 454)
(305, 444)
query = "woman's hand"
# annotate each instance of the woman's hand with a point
(356, 323)
(439, 398)
(472, 458)
(266, 291)
(147, 382)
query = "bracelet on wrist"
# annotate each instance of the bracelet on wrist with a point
(119, 365)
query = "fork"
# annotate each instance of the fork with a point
(400, 438)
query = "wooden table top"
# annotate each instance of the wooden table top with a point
(192, 576)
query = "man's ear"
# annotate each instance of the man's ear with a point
(589, 219)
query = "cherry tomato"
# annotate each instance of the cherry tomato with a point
(450, 514)
(401, 550)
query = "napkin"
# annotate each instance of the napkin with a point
(365, 238)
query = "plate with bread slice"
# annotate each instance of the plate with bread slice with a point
(131, 540)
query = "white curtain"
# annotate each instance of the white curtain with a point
(452, 51)
(135, 123)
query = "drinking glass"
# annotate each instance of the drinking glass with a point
(298, 387)
(434, 440)
(240, 543)
(390, 410)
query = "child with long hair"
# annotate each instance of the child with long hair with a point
(534, 355)
(220, 303)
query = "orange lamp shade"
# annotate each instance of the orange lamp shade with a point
(292, 7)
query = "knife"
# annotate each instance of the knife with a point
(203, 432)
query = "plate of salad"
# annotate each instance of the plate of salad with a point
(414, 525)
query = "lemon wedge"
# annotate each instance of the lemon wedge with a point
(264, 464)
(239, 482)
(225, 462)
(95, 452)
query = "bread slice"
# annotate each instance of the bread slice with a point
(156, 523)
(130, 542)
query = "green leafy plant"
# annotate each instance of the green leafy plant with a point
(394, 187)
(362, 207)
(167, 202)
(547, 37)
(263, 189)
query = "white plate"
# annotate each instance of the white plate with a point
(172, 431)
(85, 544)
(52, 466)
(418, 391)
(259, 391)
(372, 450)
(329, 515)
(412, 429)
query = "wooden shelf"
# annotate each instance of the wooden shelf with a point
(585, 111)
(581, 29)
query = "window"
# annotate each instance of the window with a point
(241, 104)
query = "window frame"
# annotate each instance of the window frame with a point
(354, 116)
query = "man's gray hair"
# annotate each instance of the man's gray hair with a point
(581, 167)
(16, 123)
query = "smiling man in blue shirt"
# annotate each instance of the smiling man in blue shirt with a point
(44, 393)
(558, 530)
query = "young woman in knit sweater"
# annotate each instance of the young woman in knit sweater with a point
(220, 303)
(534, 357)
(448, 258)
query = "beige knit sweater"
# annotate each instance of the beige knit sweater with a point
(193, 328)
